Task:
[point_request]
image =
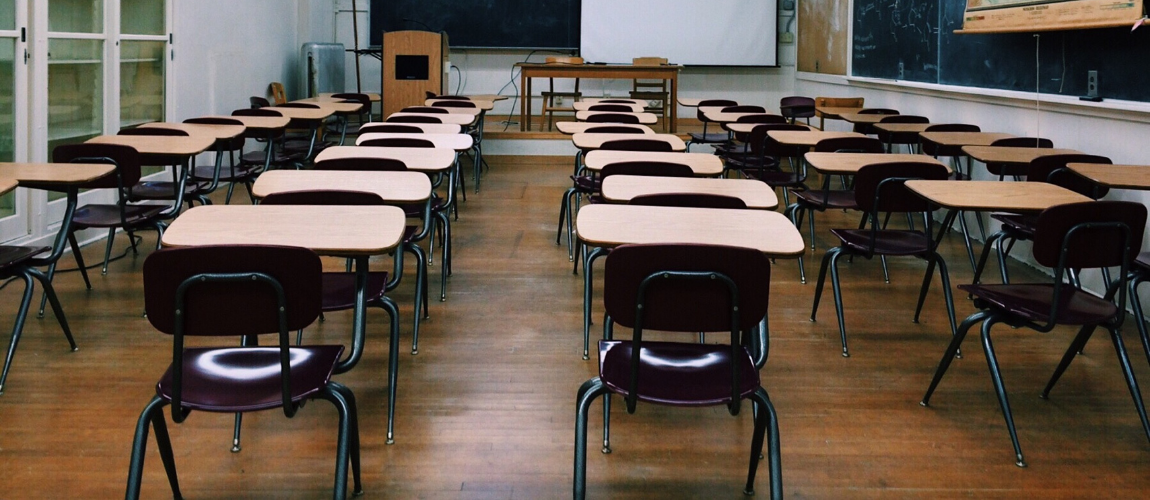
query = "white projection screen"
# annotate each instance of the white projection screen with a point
(687, 32)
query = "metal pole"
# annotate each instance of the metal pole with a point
(355, 43)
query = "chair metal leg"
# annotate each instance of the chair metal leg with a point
(587, 393)
(1076, 345)
(21, 316)
(838, 294)
(108, 250)
(985, 256)
(1000, 389)
(1139, 318)
(1002, 259)
(445, 260)
(79, 256)
(420, 289)
(152, 415)
(606, 424)
(236, 432)
(1128, 373)
(57, 309)
(588, 260)
(819, 284)
(353, 436)
(885, 271)
(966, 238)
(766, 420)
(392, 364)
(343, 442)
(951, 352)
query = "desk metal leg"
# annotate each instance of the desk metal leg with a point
(58, 245)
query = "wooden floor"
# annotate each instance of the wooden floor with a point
(486, 409)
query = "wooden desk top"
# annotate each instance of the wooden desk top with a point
(371, 96)
(216, 132)
(808, 138)
(159, 144)
(328, 230)
(583, 105)
(54, 174)
(594, 141)
(427, 128)
(311, 114)
(690, 102)
(609, 225)
(703, 164)
(472, 112)
(7, 185)
(263, 123)
(572, 128)
(862, 117)
(644, 118)
(595, 70)
(1014, 197)
(455, 118)
(335, 105)
(393, 187)
(851, 163)
(479, 105)
(902, 127)
(756, 194)
(458, 142)
(834, 112)
(748, 127)
(598, 100)
(487, 97)
(1004, 154)
(1113, 176)
(715, 116)
(962, 138)
(420, 159)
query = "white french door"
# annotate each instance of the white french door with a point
(14, 206)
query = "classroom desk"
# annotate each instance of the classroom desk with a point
(326, 230)
(426, 128)
(393, 187)
(605, 226)
(572, 128)
(703, 164)
(613, 100)
(902, 127)
(162, 151)
(454, 118)
(690, 102)
(995, 196)
(851, 163)
(216, 132)
(329, 96)
(320, 113)
(807, 138)
(7, 185)
(832, 113)
(486, 97)
(527, 71)
(480, 105)
(426, 160)
(587, 142)
(473, 112)
(1135, 177)
(721, 117)
(585, 105)
(457, 142)
(644, 118)
(746, 128)
(259, 123)
(959, 139)
(1012, 155)
(863, 118)
(756, 194)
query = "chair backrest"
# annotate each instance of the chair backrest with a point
(363, 99)
(256, 112)
(711, 103)
(614, 108)
(797, 107)
(234, 144)
(1024, 142)
(616, 101)
(953, 127)
(276, 89)
(1089, 247)
(744, 108)
(763, 145)
(649, 168)
(219, 309)
(563, 60)
(258, 102)
(425, 109)
(322, 197)
(125, 158)
(849, 145)
(878, 111)
(762, 118)
(692, 200)
(613, 118)
(413, 119)
(152, 131)
(904, 119)
(431, 95)
(876, 192)
(655, 145)
(399, 142)
(1053, 169)
(377, 127)
(454, 103)
(608, 129)
(362, 164)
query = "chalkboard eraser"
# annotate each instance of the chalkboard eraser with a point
(1091, 99)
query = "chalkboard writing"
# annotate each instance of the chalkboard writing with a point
(533, 24)
(888, 33)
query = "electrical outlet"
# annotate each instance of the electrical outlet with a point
(558, 100)
(787, 37)
(1092, 83)
(900, 71)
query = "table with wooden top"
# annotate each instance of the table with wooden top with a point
(454, 118)
(426, 128)
(851, 163)
(527, 71)
(703, 164)
(426, 160)
(311, 119)
(473, 112)
(588, 142)
(1012, 155)
(164, 151)
(902, 127)
(807, 138)
(341, 231)
(690, 102)
(959, 139)
(330, 96)
(480, 105)
(994, 196)
(613, 100)
(605, 226)
(222, 134)
(746, 128)
(622, 188)
(833, 113)
(571, 128)
(863, 118)
(721, 117)
(487, 97)
(267, 126)
(457, 142)
(1134, 177)
(586, 105)
(644, 118)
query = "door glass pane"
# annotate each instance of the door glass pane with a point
(7, 14)
(141, 82)
(75, 92)
(7, 113)
(142, 17)
(76, 16)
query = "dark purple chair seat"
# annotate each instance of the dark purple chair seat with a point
(240, 172)
(165, 190)
(701, 138)
(109, 215)
(825, 199)
(587, 183)
(889, 241)
(688, 374)
(248, 378)
(12, 256)
(1032, 302)
(279, 157)
(339, 290)
(1022, 224)
(777, 179)
(747, 161)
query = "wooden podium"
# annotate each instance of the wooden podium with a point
(413, 64)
